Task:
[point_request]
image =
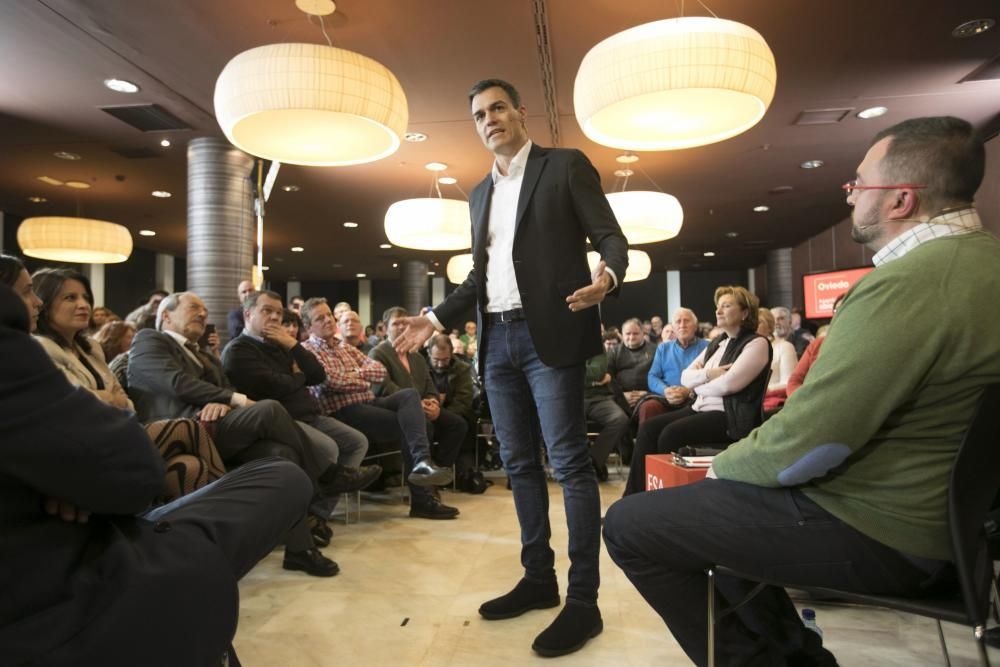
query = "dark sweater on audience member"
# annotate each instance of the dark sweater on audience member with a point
(629, 368)
(264, 370)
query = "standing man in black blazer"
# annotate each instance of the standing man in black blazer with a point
(531, 219)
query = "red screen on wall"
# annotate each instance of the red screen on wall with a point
(822, 289)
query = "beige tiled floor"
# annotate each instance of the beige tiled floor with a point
(409, 589)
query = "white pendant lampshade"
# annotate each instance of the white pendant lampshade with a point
(310, 104)
(647, 217)
(82, 240)
(675, 83)
(429, 223)
(639, 265)
(458, 268)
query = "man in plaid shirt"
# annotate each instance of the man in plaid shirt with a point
(347, 395)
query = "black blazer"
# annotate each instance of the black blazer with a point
(561, 205)
(93, 593)
(165, 383)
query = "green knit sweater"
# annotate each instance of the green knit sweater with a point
(872, 434)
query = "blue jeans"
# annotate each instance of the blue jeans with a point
(525, 394)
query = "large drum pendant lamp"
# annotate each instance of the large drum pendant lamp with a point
(310, 104)
(673, 84)
(429, 223)
(639, 265)
(458, 268)
(645, 216)
(82, 240)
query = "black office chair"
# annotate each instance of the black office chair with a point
(975, 478)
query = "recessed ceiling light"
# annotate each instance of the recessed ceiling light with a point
(447, 180)
(50, 181)
(430, 273)
(162, 194)
(415, 137)
(812, 164)
(265, 268)
(627, 158)
(165, 143)
(872, 112)
(362, 275)
(121, 86)
(761, 209)
(290, 188)
(385, 246)
(395, 265)
(350, 225)
(973, 28)
(623, 173)
(77, 185)
(147, 232)
(66, 155)
(297, 248)
(435, 166)
(708, 254)
(732, 235)
(37, 200)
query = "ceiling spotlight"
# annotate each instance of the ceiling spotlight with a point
(623, 173)
(265, 268)
(65, 155)
(37, 200)
(121, 86)
(430, 273)
(973, 28)
(395, 265)
(385, 246)
(732, 235)
(350, 225)
(708, 254)
(77, 185)
(761, 209)
(812, 164)
(447, 180)
(415, 137)
(147, 232)
(165, 143)
(362, 275)
(627, 158)
(50, 181)
(435, 166)
(162, 194)
(290, 188)
(872, 112)
(297, 248)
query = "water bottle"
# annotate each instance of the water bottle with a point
(809, 620)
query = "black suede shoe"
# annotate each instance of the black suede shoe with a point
(348, 480)
(430, 507)
(320, 530)
(310, 561)
(425, 473)
(575, 625)
(524, 597)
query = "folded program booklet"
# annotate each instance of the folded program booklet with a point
(693, 461)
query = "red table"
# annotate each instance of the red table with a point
(662, 472)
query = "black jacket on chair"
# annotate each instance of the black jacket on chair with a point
(264, 370)
(561, 205)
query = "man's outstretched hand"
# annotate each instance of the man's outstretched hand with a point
(592, 294)
(418, 330)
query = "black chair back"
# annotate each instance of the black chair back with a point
(975, 479)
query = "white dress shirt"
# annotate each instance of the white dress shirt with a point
(501, 282)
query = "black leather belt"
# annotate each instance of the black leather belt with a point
(513, 315)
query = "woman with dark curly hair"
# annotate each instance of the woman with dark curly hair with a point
(727, 383)
(192, 460)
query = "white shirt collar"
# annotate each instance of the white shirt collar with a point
(516, 164)
(181, 340)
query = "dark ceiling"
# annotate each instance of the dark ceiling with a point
(831, 54)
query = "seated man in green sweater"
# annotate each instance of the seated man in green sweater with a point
(812, 497)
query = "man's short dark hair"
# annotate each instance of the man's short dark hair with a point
(395, 311)
(443, 342)
(306, 310)
(486, 84)
(944, 153)
(250, 302)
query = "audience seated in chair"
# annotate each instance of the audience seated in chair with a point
(783, 361)
(144, 317)
(629, 365)
(170, 376)
(89, 575)
(115, 338)
(728, 381)
(847, 486)
(601, 409)
(664, 378)
(454, 381)
(234, 319)
(347, 395)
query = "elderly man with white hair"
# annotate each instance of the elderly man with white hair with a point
(671, 358)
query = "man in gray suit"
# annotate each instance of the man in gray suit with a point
(169, 376)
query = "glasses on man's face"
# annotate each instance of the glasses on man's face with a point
(850, 186)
